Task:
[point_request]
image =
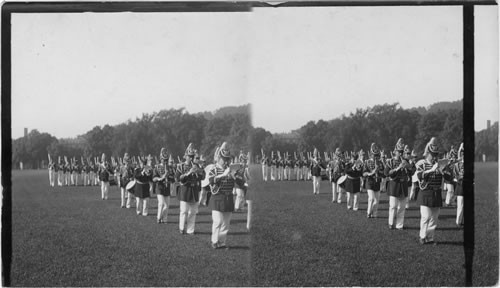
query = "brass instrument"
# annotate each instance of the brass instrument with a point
(358, 165)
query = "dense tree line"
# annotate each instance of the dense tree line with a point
(175, 129)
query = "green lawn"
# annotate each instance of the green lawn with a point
(68, 236)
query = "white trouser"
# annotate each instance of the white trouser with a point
(460, 209)
(298, 174)
(410, 194)
(187, 210)
(60, 178)
(340, 191)
(280, 173)
(240, 199)
(354, 203)
(52, 178)
(123, 193)
(449, 194)
(141, 205)
(373, 197)
(104, 189)
(264, 172)
(129, 199)
(220, 226)
(428, 222)
(249, 213)
(163, 203)
(273, 173)
(316, 181)
(397, 210)
(334, 191)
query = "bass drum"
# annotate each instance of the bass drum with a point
(130, 186)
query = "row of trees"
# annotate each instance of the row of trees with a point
(175, 129)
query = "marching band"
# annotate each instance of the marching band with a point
(222, 186)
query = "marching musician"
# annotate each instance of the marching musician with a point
(240, 178)
(397, 190)
(143, 175)
(265, 164)
(67, 173)
(279, 165)
(60, 172)
(383, 183)
(374, 173)
(96, 173)
(222, 182)
(352, 185)
(336, 170)
(189, 175)
(305, 168)
(316, 166)
(430, 175)
(298, 169)
(126, 174)
(286, 167)
(104, 172)
(86, 174)
(411, 171)
(163, 175)
(458, 172)
(52, 172)
(274, 163)
(361, 158)
(449, 185)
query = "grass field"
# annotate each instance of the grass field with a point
(68, 236)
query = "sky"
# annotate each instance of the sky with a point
(71, 72)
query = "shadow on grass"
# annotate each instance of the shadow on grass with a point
(447, 216)
(239, 221)
(451, 243)
(449, 228)
(239, 248)
(237, 233)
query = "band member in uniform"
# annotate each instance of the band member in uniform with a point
(96, 173)
(414, 179)
(316, 166)
(126, 174)
(274, 168)
(411, 171)
(305, 168)
(60, 172)
(354, 171)
(374, 172)
(286, 167)
(222, 183)
(449, 185)
(240, 179)
(458, 173)
(52, 172)
(143, 175)
(104, 172)
(189, 175)
(265, 162)
(67, 173)
(361, 157)
(383, 183)
(298, 169)
(163, 175)
(397, 190)
(336, 170)
(430, 175)
(279, 166)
